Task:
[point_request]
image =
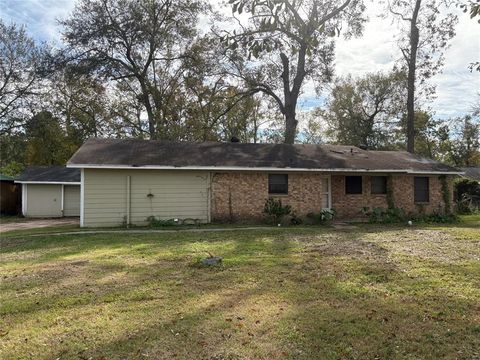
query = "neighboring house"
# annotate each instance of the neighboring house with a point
(127, 181)
(9, 196)
(50, 191)
(472, 173)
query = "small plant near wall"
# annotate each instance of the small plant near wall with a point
(154, 222)
(321, 217)
(382, 215)
(276, 210)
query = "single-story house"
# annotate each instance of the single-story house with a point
(126, 181)
(50, 191)
(9, 195)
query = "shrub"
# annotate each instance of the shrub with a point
(296, 220)
(275, 210)
(467, 196)
(436, 218)
(396, 215)
(321, 217)
(382, 215)
(154, 222)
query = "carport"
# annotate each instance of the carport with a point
(52, 191)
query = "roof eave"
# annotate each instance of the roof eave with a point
(241, 168)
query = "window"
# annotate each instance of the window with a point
(421, 189)
(353, 184)
(378, 184)
(278, 184)
(326, 193)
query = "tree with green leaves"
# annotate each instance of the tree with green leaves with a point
(288, 42)
(463, 145)
(47, 143)
(143, 42)
(364, 111)
(428, 26)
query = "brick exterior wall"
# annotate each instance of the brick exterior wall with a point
(350, 205)
(241, 196)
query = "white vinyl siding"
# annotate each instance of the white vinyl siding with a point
(71, 200)
(176, 194)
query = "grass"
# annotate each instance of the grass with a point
(386, 292)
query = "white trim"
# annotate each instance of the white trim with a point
(329, 180)
(63, 200)
(24, 199)
(128, 194)
(48, 182)
(82, 198)
(241, 168)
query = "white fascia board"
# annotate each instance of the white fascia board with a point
(47, 182)
(239, 168)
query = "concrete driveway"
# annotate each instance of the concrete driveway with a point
(23, 223)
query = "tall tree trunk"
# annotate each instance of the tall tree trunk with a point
(148, 106)
(412, 65)
(290, 125)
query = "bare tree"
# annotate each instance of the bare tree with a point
(141, 41)
(289, 42)
(20, 65)
(422, 41)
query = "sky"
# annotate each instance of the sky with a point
(457, 87)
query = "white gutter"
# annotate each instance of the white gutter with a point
(48, 182)
(82, 198)
(240, 168)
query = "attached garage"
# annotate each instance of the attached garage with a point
(115, 197)
(52, 191)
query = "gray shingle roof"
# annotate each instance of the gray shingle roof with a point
(472, 173)
(58, 174)
(211, 155)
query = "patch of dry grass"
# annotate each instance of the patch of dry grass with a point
(371, 292)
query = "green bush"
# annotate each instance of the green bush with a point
(467, 196)
(397, 215)
(384, 215)
(321, 217)
(296, 220)
(436, 218)
(276, 210)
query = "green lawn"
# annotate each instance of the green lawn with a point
(385, 292)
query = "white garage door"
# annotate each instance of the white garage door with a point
(71, 201)
(43, 200)
(159, 193)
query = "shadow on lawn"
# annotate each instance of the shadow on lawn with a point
(279, 294)
(277, 320)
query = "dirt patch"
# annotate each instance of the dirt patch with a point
(24, 224)
(427, 244)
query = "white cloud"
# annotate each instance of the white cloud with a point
(376, 50)
(39, 16)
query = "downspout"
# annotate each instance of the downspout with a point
(128, 201)
(209, 197)
(82, 197)
(62, 206)
(24, 199)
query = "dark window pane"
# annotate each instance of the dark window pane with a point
(353, 184)
(421, 189)
(379, 184)
(278, 184)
